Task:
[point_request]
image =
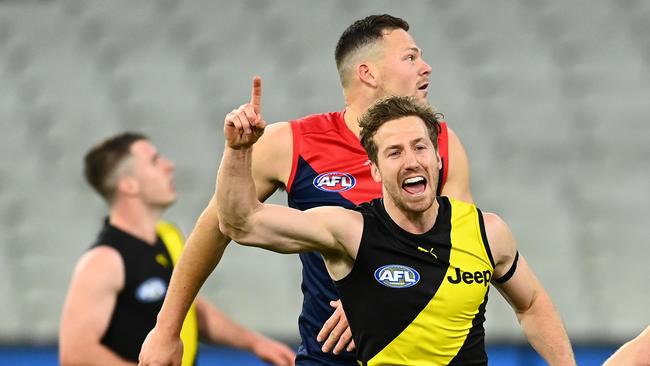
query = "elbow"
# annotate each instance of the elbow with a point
(69, 362)
(74, 354)
(226, 229)
(233, 231)
(69, 358)
(66, 356)
(237, 225)
(539, 305)
(526, 308)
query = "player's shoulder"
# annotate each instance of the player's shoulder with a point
(101, 259)
(273, 154)
(275, 140)
(274, 134)
(501, 240)
(102, 267)
(494, 222)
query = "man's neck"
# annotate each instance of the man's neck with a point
(413, 222)
(356, 106)
(352, 119)
(135, 219)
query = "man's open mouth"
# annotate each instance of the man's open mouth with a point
(414, 185)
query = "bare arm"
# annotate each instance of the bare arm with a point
(206, 244)
(96, 281)
(633, 353)
(216, 327)
(202, 252)
(243, 217)
(205, 247)
(457, 185)
(535, 311)
(277, 228)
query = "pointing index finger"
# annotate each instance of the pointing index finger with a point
(256, 94)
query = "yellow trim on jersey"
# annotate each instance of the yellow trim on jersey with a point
(439, 331)
(173, 240)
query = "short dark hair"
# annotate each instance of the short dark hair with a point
(363, 32)
(392, 108)
(103, 159)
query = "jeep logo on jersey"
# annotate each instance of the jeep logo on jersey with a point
(151, 290)
(397, 276)
(483, 277)
(334, 182)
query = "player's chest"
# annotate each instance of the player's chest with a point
(333, 174)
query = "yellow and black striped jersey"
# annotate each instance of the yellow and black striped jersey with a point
(420, 299)
(147, 271)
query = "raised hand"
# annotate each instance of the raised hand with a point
(245, 125)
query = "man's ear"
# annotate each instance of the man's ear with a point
(439, 160)
(367, 73)
(128, 185)
(376, 175)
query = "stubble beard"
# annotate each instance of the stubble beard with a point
(413, 210)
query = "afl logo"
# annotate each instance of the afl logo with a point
(334, 182)
(397, 276)
(151, 290)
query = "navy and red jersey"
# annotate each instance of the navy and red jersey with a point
(330, 168)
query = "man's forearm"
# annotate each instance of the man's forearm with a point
(203, 250)
(633, 353)
(91, 354)
(217, 328)
(545, 331)
(236, 194)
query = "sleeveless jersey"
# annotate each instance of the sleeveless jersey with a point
(147, 271)
(330, 168)
(419, 299)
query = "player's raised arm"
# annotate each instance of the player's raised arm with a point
(248, 221)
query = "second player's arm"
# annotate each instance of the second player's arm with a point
(533, 307)
(95, 284)
(205, 247)
(217, 328)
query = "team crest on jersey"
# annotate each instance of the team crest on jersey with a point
(334, 182)
(151, 290)
(397, 276)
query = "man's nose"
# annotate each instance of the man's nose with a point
(426, 68)
(410, 159)
(170, 165)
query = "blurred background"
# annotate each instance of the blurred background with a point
(550, 98)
